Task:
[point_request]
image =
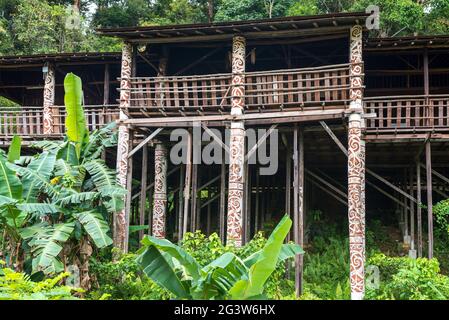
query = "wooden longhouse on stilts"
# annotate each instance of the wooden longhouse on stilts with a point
(328, 94)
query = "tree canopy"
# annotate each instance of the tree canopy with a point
(38, 26)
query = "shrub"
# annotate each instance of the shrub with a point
(123, 280)
(18, 286)
(403, 278)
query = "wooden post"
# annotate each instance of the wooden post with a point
(418, 208)
(106, 84)
(121, 218)
(404, 207)
(247, 204)
(412, 212)
(181, 203)
(257, 204)
(194, 203)
(298, 203)
(208, 212)
(288, 185)
(143, 189)
(237, 144)
(187, 183)
(355, 163)
(222, 197)
(49, 98)
(429, 197)
(160, 191)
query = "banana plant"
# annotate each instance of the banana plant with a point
(61, 194)
(227, 277)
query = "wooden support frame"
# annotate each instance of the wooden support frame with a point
(298, 203)
(145, 141)
(143, 188)
(419, 209)
(187, 184)
(429, 199)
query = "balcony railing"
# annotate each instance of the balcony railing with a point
(408, 113)
(320, 87)
(28, 121)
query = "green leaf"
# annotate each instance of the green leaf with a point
(134, 229)
(14, 149)
(41, 208)
(75, 121)
(10, 185)
(37, 175)
(68, 153)
(265, 264)
(96, 227)
(160, 271)
(176, 252)
(288, 250)
(46, 244)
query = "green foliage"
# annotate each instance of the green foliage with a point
(403, 278)
(75, 122)
(18, 286)
(60, 197)
(123, 280)
(227, 276)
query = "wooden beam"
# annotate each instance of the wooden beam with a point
(222, 217)
(145, 141)
(260, 141)
(106, 85)
(334, 137)
(215, 137)
(180, 203)
(143, 189)
(429, 199)
(248, 116)
(187, 183)
(418, 209)
(375, 175)
(436, 174)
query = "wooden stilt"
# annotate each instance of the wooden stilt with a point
(160, 191)
(187, 183)
(429, 198)
(298, 205)
(143, 188)
(288, 185)
(106, 85)
(181, 203)
(418, 208)
(412, 211)
(257, 204)
(194, 200)
(222, 198)
(49, 99)
(208, 213)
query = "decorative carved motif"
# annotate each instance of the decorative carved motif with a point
(238, 74)
(49, 99)
(160, 191)
(356, 90)
(237, 145)
(121, 218)
(356, 207)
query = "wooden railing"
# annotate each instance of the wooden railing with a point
(320, 87)
(28, 121)
(408, 113)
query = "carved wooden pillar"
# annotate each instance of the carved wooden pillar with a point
(121, 218)
(49, 98)
(356, 162)
(160, 191)
(237, 144)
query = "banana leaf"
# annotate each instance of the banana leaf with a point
(14, 149)
(11, 186)
(75, 121)
(160, 271)
(265, 264)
